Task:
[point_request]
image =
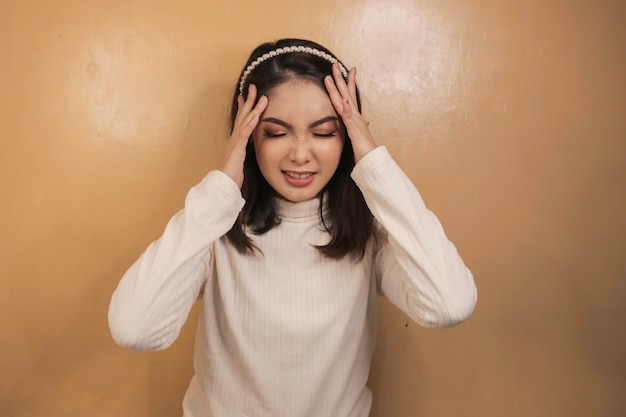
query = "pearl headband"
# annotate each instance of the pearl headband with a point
(287, 50)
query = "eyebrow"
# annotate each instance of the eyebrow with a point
(312, 125)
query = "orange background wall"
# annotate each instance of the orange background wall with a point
(509, 116)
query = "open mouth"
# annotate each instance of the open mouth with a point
(298, 176)
(299, 179)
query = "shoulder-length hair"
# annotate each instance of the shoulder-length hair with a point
(348, 220)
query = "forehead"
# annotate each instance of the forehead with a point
(299, 98)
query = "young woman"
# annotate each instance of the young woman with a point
(287, 247)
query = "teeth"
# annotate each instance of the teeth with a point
(299, 176)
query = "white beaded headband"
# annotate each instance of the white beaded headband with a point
(287, 50)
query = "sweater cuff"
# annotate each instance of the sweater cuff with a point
(215, 187)
(369, 161)
(223, 182)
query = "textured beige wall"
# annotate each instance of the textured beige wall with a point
(508, 116)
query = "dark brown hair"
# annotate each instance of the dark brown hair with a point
(348, 219)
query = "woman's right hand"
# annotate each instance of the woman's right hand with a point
(247, 118)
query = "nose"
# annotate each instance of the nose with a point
(300, 152)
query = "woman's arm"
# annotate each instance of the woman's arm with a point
(154, 297)
(418, 268)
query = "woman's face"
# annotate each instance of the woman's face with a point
(299, 140)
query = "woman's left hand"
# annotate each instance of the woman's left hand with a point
(343, 97)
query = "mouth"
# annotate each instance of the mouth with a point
(297, 175)
(299, 179)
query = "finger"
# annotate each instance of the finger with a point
(252, 118)
(260, 106)
(352, 83)
(347, 113)
(245, 105)
(238, 115)
(340, 82)
(249, 103)
(333, 93)
(347, 92)
(255, 113)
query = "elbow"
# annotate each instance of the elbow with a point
(125, 339)
(463, 309)
(449, 317)
(452, 309)
(462, 302)
(125, 336)
(133, 335)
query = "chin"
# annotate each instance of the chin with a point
(299, 197)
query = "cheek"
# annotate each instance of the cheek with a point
(331, 150)
(268, 153)
(261, 157)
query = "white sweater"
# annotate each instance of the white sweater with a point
(289, 333)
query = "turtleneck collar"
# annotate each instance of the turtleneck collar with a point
(296, 212)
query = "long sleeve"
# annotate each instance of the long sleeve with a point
(418, 269)
(153, 299)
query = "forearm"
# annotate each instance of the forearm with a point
(154, 297)
(420, 270)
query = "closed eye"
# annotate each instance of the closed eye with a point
(325, 135)
(269, 134)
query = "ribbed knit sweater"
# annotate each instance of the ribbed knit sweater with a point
(289, 332)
